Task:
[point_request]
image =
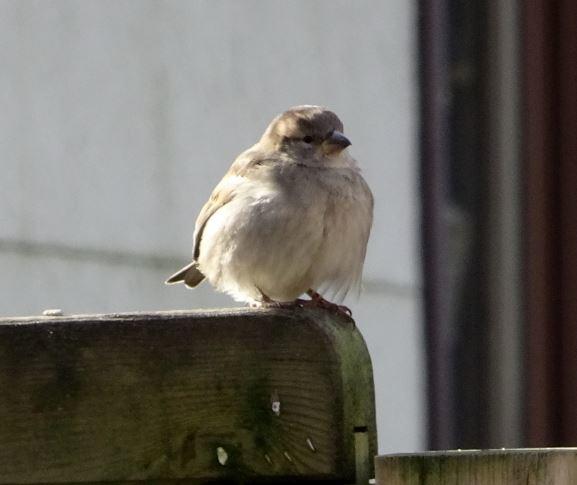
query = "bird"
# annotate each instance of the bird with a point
(292, 216)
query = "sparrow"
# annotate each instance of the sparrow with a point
(291, 216)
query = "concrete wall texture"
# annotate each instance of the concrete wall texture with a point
(118, 117)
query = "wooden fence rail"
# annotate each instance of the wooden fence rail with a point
(538, 466)
(235, 396)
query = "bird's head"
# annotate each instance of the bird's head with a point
(310, 134)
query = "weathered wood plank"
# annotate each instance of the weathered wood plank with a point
(537, 466)
(182, 395)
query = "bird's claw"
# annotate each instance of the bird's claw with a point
(318, 301)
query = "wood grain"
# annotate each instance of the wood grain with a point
(182, 395)
(536, 466)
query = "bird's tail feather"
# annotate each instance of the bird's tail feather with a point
(190, 275)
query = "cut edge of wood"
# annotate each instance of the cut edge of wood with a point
(478, 452)
(300, 313)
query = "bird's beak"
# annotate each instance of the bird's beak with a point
(335, 142)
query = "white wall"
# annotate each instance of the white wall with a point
(117, 118)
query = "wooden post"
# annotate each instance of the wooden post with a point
(234, 396)
(538, 466)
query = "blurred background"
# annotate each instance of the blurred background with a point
(118, 117)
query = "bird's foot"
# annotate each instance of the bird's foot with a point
(318, 301)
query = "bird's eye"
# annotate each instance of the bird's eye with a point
(308, 139)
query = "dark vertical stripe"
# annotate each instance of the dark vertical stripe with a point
(541, 263)
(434, 153)
(567, 71)
(550, 44)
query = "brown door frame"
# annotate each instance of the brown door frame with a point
(549, 171)
(550, 126)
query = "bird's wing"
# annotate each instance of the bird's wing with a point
(222, 195)
(225, 191)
